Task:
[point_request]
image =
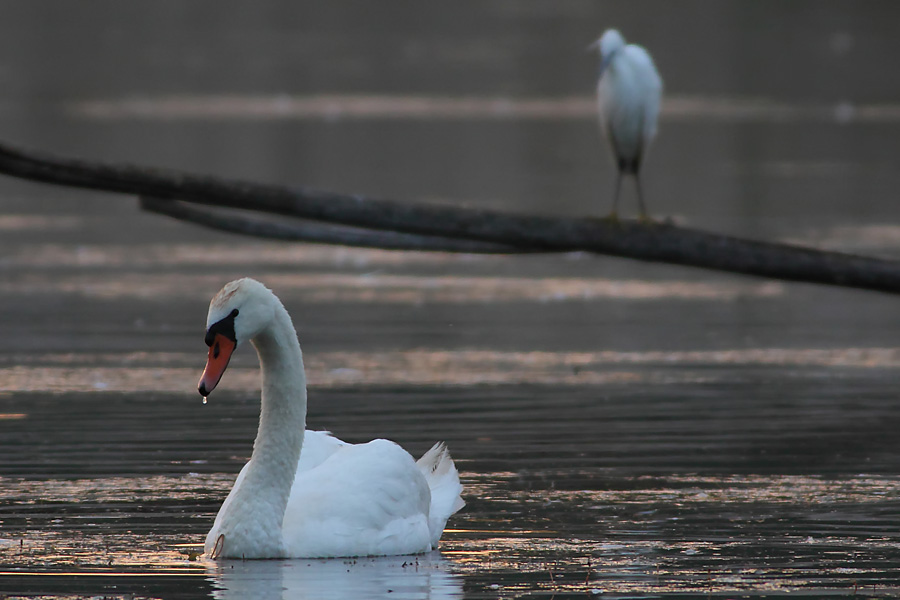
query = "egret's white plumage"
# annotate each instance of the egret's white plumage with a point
(628, 96)
(305, 493)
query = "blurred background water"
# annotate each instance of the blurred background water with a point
(621, 428)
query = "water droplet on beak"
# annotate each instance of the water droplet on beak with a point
(204, 399)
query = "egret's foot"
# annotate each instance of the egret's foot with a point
(610, 219)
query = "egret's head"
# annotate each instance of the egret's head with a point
(240, 311)
(609, 44)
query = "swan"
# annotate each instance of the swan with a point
(306, 494)
(629, 92)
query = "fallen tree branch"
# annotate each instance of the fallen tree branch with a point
(319, 233)
(643, 241)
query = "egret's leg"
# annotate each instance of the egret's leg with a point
(614, 215)
(641, 206)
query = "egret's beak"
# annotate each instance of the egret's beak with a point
(593, 46)
(220, 351)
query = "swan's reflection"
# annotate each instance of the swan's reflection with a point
(389, 577)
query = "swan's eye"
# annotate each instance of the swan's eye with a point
(216, 350)
(225, 327)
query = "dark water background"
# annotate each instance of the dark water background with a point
(622, 428)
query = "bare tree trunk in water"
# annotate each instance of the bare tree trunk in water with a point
(380, 223)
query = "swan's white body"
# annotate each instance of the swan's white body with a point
(629, 93)
(306, 493)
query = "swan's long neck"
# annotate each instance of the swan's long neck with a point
(260, 502)
(282, 418)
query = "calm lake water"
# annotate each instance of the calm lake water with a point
(622, 429)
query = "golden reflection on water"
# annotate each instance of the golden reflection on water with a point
(624, 552)
(164, 371)
(102, 551)
(632, 555)
(103, 523)
(57, 379)
(675, 490)
(110, 490)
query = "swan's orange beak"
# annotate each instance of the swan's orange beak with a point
(220, 352)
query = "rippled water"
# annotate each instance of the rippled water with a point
(622, 429)
(643, 487)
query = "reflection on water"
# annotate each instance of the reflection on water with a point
(38, 222)
(333, 107)
(858, 238)
(548, 531)
(184, 380)
(400, 289)
(686, 534)
(87, 372)
(405, 577)
(248, 253)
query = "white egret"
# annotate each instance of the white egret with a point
(628, 97)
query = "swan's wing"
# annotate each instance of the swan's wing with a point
(364, 499)
(443, 481)
(318, 446)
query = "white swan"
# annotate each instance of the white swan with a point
(305, 493)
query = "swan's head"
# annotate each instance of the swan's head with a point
(609, 44)
(239, 312)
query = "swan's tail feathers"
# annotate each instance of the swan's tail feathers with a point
(443, 480)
